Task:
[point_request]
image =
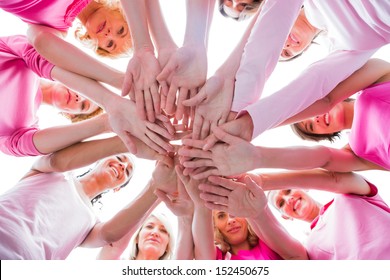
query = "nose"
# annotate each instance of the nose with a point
(155, 232)
(231, 220)
(107, 33)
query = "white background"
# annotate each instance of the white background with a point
(224, 34)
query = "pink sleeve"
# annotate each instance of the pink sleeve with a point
(311, 85)
(20, 143)
(19, 47)
(262, 51)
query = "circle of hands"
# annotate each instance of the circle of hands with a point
(173, 102)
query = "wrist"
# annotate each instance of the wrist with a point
(245, 120)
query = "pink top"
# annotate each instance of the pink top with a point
(20, 69)
(357, 29)
(260, 252)
(43, 217)
(353, 227)
(370, 137)
(58, 14)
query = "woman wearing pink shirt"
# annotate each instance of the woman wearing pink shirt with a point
(352, 226)
(219, 236)
(357, 30)
(21, 66)
(366, 118)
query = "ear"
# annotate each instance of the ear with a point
(287, 217)
(117, 189)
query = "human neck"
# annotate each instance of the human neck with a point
(313, 213)
(46, 86)
(88, 186)
(92, 7)
(147, 256)
(238, 247)
(349, 110)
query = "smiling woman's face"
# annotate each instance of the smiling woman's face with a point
(234, 229)
(109, 28)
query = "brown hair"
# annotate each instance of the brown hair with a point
(331, 137)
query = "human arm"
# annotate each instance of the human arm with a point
(140, 79)
(50, 44)
(374, 71)
(202, 223)
(182, 206)
(259, 58)
(134, 214)
(248, 200)
(121, 112)
(186, 70)
(237, 156)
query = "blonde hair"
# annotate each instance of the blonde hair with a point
(74, 118)
(225, 247)
(171, 244)
(82, 36)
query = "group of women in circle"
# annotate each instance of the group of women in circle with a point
(166, 94)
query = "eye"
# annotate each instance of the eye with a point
(163, 230)
(281, 203)
(110, 44)
(221, 215)
(288, 191)
(121, 31)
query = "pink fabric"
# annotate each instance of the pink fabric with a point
(353, 227)
(58, 14)
(43, 217)
(370, 138)
(357, 30)
(20, 97)
(260, 252)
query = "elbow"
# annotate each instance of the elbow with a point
(37, 37)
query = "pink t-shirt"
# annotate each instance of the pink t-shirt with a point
(20, 97)
(356, 28)
(43, 217)
(370, 137)
(260, 252)
(58, 14)
(352, 227)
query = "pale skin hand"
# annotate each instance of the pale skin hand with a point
(213, 103)
(180, 204)
(164, 177)
(239, 199)
(186, 70)
(123, 122)
(140, 82)
(232, 157)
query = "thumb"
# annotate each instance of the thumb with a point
(224, 136)
(196, 100)
(127, 84)
(129, 143)
(252, 186)
(182, 177)
(167, 71)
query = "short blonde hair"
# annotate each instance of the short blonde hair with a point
(171, 244)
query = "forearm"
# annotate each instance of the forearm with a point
(89, 88)
(80, 154)
(203, 234)
(125, 221)
(313, 84)
(184, 249)
(198, 22)
(137, 18)
(67, 56)
(316, 179)
(53, 139)
(370, 73)
(158, 28)
(277, 238)
(259, 58)
(302, 157)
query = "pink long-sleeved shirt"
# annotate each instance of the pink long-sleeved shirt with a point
(58, 14)
(20, 96)
(356, 28)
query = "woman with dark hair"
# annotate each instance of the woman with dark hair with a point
(56, 209)
(366, 118)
